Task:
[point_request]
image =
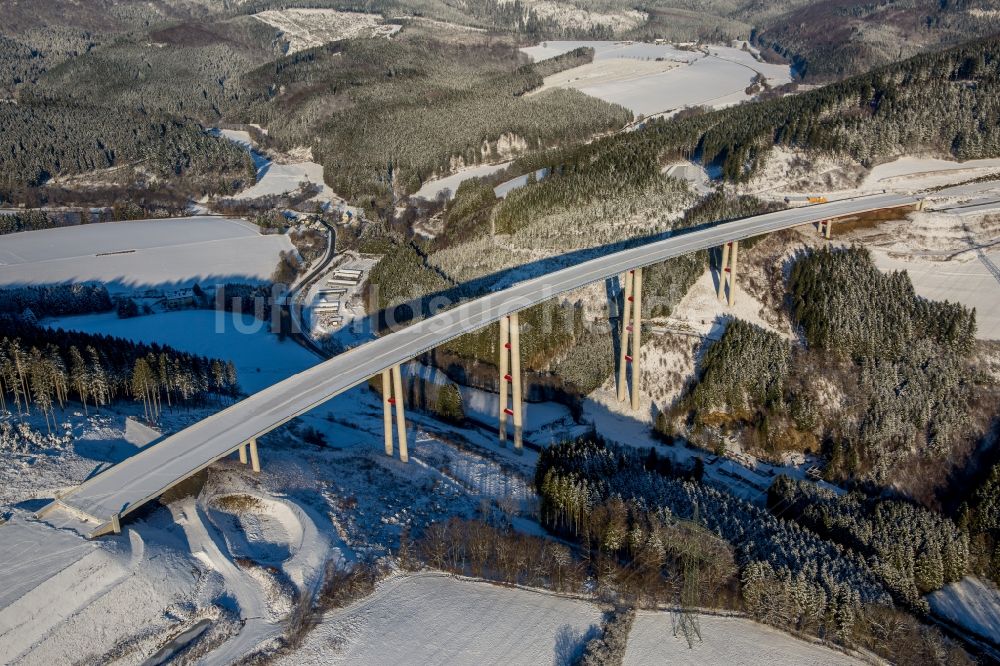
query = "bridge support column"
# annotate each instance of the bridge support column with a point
(254, 458)
(631, 333)
(624, 337)
(727, 272)
(392, 395)
(510, 376)
(243, 454)
(826, 228)
(723, 268)
(116, 524)
(387, 402)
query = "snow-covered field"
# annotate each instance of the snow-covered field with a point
(655, 79)
(969, 281)
(308, 28)
(432, 188)
(277, 178)
(438, 619)
(170, 252)
(260, 358)
(917, 172)
(724, 640)
(972, 603)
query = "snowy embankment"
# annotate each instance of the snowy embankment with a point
(261, 359)
(971, 603)
(172, 252)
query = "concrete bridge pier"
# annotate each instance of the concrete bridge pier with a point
(727, 272)
(631, 340)
(254, 458)
(826, 228)
(392, 396)
(510, 378)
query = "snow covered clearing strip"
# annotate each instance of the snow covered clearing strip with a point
(724, 640)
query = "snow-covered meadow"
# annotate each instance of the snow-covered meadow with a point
(173, 252)
(441, 619)
(660, 79)
(275, 178)
(724, 640)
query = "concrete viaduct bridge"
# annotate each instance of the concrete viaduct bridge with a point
(103, 500)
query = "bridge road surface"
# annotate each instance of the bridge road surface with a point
(146, 475)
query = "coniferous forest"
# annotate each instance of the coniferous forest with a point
(43, 369)
(826, 569)
(864, 416)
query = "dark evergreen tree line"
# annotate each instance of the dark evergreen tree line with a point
(42, 368)
(914, 550)
(980, 514)
(742, 372)
(574, 477)
(910, 358)
(56, 300)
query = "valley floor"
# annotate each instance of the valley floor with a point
(407, 616)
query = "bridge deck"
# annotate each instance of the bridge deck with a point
(145, 476)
